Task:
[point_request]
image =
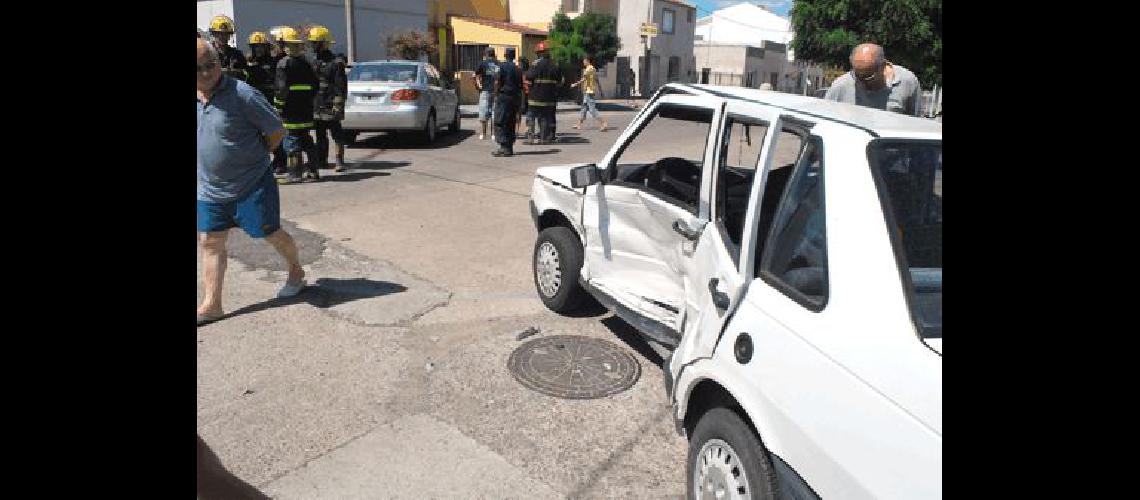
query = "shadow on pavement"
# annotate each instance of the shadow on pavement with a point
(412, 140)
(353, 176)
(546, 152)
(326, 293)
(633, 339)
(563, 139)
(217, 483)
(377, 165)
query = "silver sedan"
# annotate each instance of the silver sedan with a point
(393, 96)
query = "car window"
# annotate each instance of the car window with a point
(666, 156)
(738, 158)
(794, 259)
(910, 187)
(396, 72)
(788, 146)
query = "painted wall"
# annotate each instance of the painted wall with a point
(485, 9)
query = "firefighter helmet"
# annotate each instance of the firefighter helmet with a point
(320, 34)
(222, 24)
(258, 38)
(288, 35)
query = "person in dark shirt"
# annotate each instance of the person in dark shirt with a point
(485, 81)
(544, 77)
(508, 90)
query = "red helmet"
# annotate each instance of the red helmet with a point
(541, 47)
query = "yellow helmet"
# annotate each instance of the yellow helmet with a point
(320, 34)
(258, 37)
(222, 23)
(288, 35)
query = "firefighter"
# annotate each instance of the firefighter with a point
(231, 59)
(508, 89)
(261, 69)
(295, 86)
(329, 101)
(277, 53)
(544, 77)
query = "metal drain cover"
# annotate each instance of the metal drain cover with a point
(574, 367)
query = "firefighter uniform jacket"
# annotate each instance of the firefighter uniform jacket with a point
(545, 77)
(295, 86)
(333, 88)
(233, 62)
(261, 72)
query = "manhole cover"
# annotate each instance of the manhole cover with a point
(574, 367)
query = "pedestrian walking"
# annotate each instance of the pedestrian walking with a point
(237, 129)
(330, 97)
(295, 86)
(485, 83)
(589, 83)
(508, 91)
(544, 77)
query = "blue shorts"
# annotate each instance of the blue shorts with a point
(258, 212)
(298, 140)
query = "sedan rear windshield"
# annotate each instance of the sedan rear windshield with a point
(384, 73)
(910, 175)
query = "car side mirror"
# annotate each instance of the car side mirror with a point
(586, 175)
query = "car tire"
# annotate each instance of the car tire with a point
(721, 435)
(430, 129)
(454, 126)
(556, 263)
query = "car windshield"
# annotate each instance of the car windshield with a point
(395, 72)
(911, 189)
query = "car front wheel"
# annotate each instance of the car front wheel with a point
(557, 262)
(727, 460)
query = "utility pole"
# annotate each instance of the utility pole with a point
(645, 77)
(351, 34)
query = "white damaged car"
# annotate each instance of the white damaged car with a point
(789, 251)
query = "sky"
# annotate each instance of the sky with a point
(780, 7)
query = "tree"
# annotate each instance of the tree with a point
(590, 34)
(410, 45)
(910, 32)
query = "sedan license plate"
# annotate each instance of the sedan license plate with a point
(370, 99)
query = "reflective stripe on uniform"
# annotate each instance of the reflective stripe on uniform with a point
(539, 103)
(543, 80)
(294, 126)
(303, 86)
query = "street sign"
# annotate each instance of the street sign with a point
(649, 29)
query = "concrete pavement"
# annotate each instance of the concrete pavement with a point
(387, 377)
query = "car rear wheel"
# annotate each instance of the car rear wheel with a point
(557, 262)
(727, 460)
(454, 126)
(430, 129)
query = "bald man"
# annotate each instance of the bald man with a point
(876, 83)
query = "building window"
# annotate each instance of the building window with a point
(571, 5)
(470, 56)
(691, 15)
(667, 21)
(674, 68)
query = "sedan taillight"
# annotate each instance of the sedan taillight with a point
(405, 95)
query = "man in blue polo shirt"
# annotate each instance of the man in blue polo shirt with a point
(237, 128)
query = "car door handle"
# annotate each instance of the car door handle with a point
(684, 230)
(719, 298)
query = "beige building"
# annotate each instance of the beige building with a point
(741, 65)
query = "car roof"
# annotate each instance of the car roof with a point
(875, 121)
(390, 61)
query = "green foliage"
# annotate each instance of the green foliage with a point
(910, 32)
(590, 34)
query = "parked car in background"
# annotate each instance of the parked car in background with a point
(399, 96)
(789, 250)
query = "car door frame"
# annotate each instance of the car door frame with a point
(598, 247)
(712, 258)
